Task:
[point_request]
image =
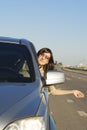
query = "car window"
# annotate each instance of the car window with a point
(15, 63)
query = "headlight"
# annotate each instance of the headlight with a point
(33, 123)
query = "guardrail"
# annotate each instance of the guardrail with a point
(76, 70)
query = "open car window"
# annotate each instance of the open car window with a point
(15, 63)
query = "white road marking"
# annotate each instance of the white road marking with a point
(82, 113)
(70, 101)
(68, 78)
(79, 77)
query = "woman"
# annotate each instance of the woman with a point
(46, 62)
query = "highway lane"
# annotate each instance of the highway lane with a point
(69, 112)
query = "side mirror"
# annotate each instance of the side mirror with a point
(55, 77)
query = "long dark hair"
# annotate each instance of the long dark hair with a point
(50, 65)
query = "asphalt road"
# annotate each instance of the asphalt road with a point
(69, 112)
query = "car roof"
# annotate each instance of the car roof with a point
(14, 40)
(21, 41)
(10, 39)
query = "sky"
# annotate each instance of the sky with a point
(60, 25)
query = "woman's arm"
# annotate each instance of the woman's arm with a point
(54, 91)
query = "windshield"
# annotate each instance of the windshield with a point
(15, 63)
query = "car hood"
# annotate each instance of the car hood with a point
(18, 101)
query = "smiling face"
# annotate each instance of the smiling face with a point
(44, 58)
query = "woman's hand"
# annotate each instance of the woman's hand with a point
(78, 94)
